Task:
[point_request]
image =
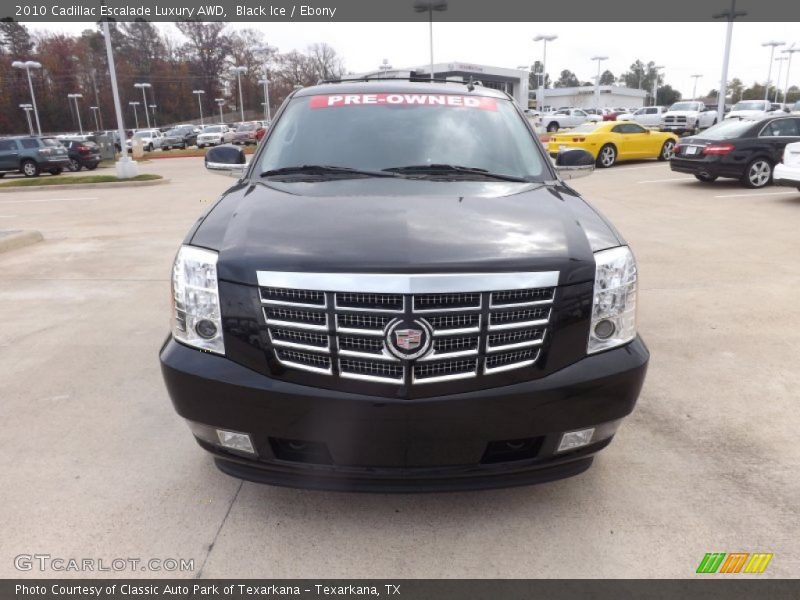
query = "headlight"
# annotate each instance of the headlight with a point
(196, 319)
(614, 301)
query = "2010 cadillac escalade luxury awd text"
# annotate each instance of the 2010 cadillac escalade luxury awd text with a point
(401, 293)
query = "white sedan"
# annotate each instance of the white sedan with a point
(788, 172)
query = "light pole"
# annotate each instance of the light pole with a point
(77, 110)
(429, 6)
(153, 110)
(791, 50)
(239, 71)
(696, 76)
(28, 65)
(135, 113)
(385, 67)
(95, 110)
(267, 109)
(143, 87)
(125, 167)
(28, 108)
(729, 15)
(599, 60)
(780, 60)
(220, 102)
(655, 84)
(544, 39)
(772, 45)
(199, 103)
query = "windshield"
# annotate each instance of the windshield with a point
(143, 134)
(750, 106)
(246, 127)
(730, 128)
(383, 131)
(174, 132)
(215, 129)
(685, 106)
(52, 142)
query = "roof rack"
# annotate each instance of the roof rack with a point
(417, 79)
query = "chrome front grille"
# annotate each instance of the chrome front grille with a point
(337, 325)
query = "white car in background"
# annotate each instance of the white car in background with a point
(788, 172)
(212, 135)
(566, 118)
(647, 116)
(149, 138)
(750, 110)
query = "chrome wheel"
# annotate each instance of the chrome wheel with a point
(759, 173)
(668, 150)
(74, 165)
(608, 156)
(29, 169)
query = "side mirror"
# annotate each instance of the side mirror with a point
(574, 163)
(226, 160)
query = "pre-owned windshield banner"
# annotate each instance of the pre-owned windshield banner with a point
(401, 10)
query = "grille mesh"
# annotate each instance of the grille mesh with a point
(464, 344)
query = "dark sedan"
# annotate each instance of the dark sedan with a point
(743, 150)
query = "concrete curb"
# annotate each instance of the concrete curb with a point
(11, 240)
(83, 186)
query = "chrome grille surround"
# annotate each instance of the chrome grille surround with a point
(336, 324)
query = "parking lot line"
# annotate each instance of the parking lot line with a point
(757, 194)
(664, 180)
(28, 201)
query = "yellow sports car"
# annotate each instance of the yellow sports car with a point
(611, 141)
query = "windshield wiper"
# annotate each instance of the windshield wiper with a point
(437, 169)
(324, 169)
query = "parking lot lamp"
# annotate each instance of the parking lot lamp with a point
(780, 60)
(772, 45)
(696, 76)
(125, 167)
(77, 109)
(655, 84)
(267, 111)
(95, 110)
(239, 71)
(730, 16)
(385, 67)
(220, 103)
(143, 87)
(28, 65)
(429, 6)
(199, 103)
(153, 110)
(544, 39)
(791, 50)
(135, 113)
(28, 108)
(599, 60)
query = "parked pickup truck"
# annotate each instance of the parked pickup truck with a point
(565, 118)
(396, 300)
(647, 116)
(688, 117)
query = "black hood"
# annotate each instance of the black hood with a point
(403, 226)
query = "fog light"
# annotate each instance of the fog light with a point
(240, 442)
(604, 329)
(207, 329)
(575, 439)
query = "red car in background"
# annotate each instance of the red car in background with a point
(247, 133)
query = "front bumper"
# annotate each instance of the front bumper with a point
(373, 443)
(786, 175)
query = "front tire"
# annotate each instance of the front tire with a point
(607, 156)
(92, 166)
(758, 173)
(667, 150)
(57, 171)
(29, 168)
(552, 127)
(74, 165)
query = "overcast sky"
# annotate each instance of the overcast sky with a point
(683, 48)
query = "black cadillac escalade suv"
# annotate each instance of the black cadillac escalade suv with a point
(401, 293)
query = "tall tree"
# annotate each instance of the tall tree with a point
(534, 77)
(567, 79)
(607, 78)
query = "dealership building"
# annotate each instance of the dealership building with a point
(611, 96)
(512, 81)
